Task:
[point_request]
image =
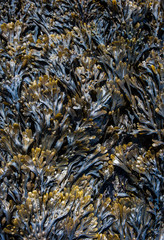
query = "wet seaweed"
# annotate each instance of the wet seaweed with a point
(81, 119)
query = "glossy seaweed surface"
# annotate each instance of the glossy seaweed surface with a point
(81, 119)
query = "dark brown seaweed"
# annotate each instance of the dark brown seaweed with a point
(81, 119)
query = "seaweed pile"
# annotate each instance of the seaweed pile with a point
(81, 119)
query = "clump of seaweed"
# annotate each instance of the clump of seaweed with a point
(54, 215)
(81, 119)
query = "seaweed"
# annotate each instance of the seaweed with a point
(81, 119)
